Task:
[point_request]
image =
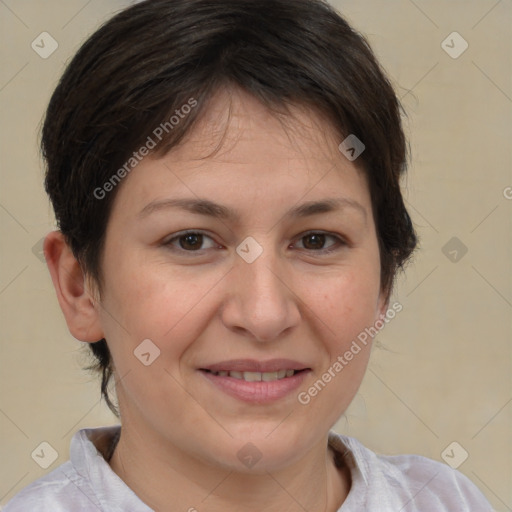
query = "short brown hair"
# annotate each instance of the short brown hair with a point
(134, 72)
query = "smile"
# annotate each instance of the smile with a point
(256, 376)
(257, 383)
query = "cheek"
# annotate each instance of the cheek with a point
(169, 308)
(152, 302)
(346, 303)
(345, 308)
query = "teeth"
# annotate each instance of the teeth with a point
(269, 376)
(256, 376)
(252, 376)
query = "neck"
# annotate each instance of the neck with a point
(161, 477)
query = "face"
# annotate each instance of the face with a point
(256, 258)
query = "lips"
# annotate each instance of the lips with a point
(256, 381)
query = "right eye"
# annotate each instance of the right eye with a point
(189, 241)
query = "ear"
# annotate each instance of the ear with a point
(383, 304)
(76, 302)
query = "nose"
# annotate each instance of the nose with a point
(260, 302)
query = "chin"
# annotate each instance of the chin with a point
(264, 448)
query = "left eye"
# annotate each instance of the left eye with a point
(316, 241)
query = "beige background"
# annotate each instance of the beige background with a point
(440, 372)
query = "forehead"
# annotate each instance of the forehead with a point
(240, 152)
(236, 126)
(235, 123)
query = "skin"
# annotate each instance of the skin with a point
(180, 434)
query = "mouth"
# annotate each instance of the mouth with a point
(256, 381)
(256, 376)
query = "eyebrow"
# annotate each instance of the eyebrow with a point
(210, 209)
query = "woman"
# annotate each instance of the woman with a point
(225, 177)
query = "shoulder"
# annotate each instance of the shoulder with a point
(411, 482)
(61, 490)
(432, 482)
(85, 483)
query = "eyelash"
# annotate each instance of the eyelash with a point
(340, 242)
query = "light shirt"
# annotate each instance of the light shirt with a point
(403, 483)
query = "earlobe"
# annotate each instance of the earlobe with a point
(383, 304)
(76, 302)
